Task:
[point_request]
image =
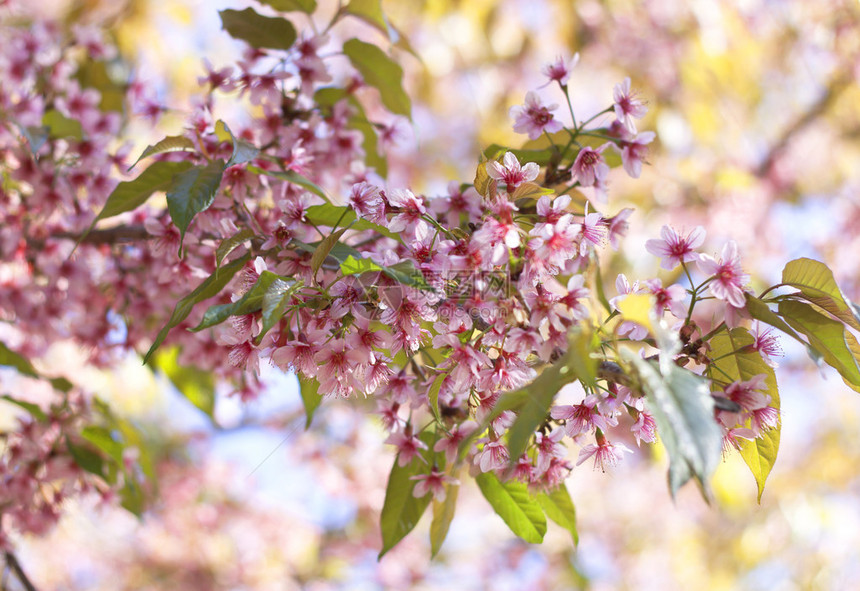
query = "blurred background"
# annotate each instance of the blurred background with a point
(757, 112)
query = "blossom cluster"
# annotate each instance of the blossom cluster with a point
(436, 306)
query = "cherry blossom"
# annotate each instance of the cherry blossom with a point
(674, 248)
(534, 118)
(728, 278)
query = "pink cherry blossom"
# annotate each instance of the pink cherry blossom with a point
(559, 70)
(534, 118)
(589, 166)
(410, 209)
(510, 172)
(728, 277)
(633, 153)
(408, 445)
(627, 105)
(675, 248)
(434, 483)
(605, 453)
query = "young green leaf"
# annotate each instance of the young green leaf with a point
(370, 11)
(817, 284)
(210, 287)
(196, 385)
(129, 195)
(106, 440)
(295, 178)
(433, 395)
(249, 303)
(258, 31)
(60, 126)
(512, 502)
(311, 398)
(684, 412)
(324, 248)
(172, 143)
(380, 72)
(191, 192)
(353, 266)
(87, 459)
(35, 411)
(558, 506)
(36, 136)
(829, 337)
(443, 514)
(306, 6)
(228, 245)
(276, 300)
(242, 150)
(401, 510)
(10, 358)
(743, 365)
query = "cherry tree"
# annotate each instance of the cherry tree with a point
(461, 316)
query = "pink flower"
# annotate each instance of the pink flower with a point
(767, 344)
(559, 71)
(408, 445)
(633, 153)
(728, 277)
(668, 298)
(582, 417)
(593, 231)
(494, 456)
(533, 118)
(589, 166)
(605, 453)
(674, 248)
(510, 172)
(365, 199)
(627, 105)
(433, 482)
(644, 429)
(411, 209)
(450, 445)
(618, 226)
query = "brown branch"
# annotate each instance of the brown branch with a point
(114, 235)
(837, 85)
(15, 566)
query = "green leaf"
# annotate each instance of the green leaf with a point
(829, 337)
(34, 409)
(512, 502)
(816, 284)
(276, 300)
(191, 192)
(558, 506)
(228, 245)
(401, 511)
(87, 459)
(684, 412)
(249, 303)
(197, 385)
(60, 126)
(242, 151)
(306, 6)
(760, 454)
(331, 215)
(106, 440)
(536, 398)
(370, 11)
(370, 143)
(353, 266)
(295, 178)
(211, 286)
(530, 190)
(172, 143)
(324, 248)
(311, 398)
(10, 358)
(761, 311)
(129, 195)
(257, 30)
(433, 395)
(443, 514)
(381, 72)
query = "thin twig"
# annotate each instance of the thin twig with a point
(13, 564)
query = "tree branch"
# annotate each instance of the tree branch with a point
(15, 566)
